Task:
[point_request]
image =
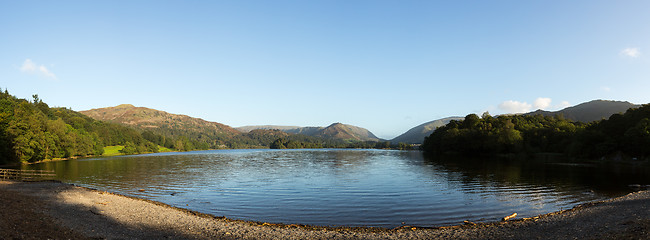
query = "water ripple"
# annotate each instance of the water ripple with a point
(343, 187)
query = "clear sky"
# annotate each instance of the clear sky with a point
(383, 65)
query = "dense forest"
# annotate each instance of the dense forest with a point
(32, 131)
(625, 134)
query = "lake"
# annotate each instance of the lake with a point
(335, 187)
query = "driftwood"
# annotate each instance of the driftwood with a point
(511, 216)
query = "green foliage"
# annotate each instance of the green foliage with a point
(32, 131)
(622, 133)
(502, 134)
(164, 149)
(404, 146)
(303, 141)
(129, 148)
(627, 133)
(298, 141)
(280, 143)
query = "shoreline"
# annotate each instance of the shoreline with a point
(18, 164)
(98, 214)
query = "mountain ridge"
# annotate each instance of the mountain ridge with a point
(249, 128)
(185, 132)
(151, 118)
(590, 111)
(202, 134)
(333, 131)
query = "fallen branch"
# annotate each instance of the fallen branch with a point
(511, 216)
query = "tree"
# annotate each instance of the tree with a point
(129, 148)
(637, 139)
(279, 143)
(471, 121)
(404, 146)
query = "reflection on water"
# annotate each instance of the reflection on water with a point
(351, 187)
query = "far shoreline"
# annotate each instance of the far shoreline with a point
(196, 150)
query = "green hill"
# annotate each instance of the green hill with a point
(200, 134)
(184, 132)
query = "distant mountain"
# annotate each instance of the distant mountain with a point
(246, 129)
(416, 135)
(590, 111)
(337, 131)
(309, 131)
(347, 132)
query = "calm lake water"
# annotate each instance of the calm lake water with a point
(332, 187)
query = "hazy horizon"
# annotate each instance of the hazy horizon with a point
(382, 65)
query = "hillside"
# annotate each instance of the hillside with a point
(187, 133)
(336, 131)
(146, 118)
(184, 132)
(416, 135)
(590, 111)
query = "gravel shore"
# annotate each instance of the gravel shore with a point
(51, 210)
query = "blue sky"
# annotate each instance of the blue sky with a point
(383, 65)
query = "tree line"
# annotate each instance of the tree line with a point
(625, 134)
(299, 141)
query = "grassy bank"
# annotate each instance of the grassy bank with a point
(115, 150)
